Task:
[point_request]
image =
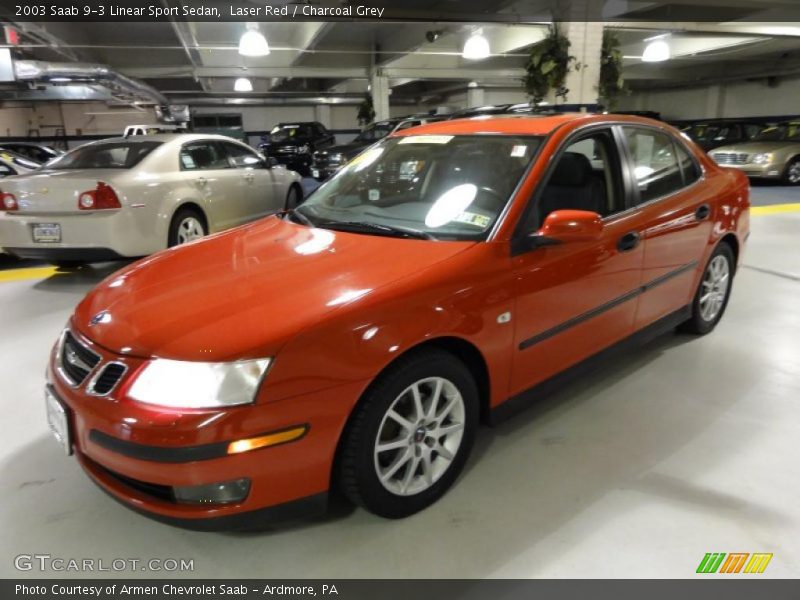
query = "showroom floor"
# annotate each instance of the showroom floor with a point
(686, 447)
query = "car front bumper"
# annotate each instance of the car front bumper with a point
(152, 451)
(766, 171)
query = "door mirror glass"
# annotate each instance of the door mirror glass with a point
(571, 226)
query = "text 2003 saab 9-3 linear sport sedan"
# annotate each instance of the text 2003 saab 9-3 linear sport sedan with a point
(129, 197)
(448, 274)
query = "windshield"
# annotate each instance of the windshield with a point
(433, 186)
(779, 133)
(375, 132)
(283, 133)
(111, 155)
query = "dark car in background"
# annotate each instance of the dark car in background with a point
(327, 162)
(294, 144)
(714, 134)
(38, 153)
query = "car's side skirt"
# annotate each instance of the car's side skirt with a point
(547, 387)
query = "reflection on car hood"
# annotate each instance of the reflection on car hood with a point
(757, 147)
(245, 292)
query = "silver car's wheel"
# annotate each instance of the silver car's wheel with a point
(190, 228)
(716, 282)
(793, 172)
(187, 225)
(419, 436)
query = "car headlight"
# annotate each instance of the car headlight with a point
(182, 384)
(762, 158)
(303, 149)
(336, 158)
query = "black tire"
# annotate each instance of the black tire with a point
(791, 175)
(178, 220)
(67, 264)
(357, 475)
(698, 324)
(294, 197)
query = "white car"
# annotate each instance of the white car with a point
(131, 197)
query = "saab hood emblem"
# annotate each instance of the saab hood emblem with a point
(101, 317)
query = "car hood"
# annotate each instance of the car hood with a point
(757, 147)
(243, 293)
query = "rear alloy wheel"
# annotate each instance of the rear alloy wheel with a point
(187, 225)
(792, 174)
(713, 293)
(410, 436)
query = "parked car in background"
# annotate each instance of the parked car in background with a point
(294, 144)
(773, 153)
(451, 273)
(152, 129)
(12, 164)
(714, 134)
(129, 197)
(327, 162)
(38, 153)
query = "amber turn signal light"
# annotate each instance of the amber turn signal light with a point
(270, 439)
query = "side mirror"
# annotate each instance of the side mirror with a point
(568, 226)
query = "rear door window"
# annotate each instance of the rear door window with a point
(655, 163)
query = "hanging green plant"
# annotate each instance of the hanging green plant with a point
(612, 84)
(366, 110)
(548, 66)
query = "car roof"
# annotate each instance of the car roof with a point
(168, 137)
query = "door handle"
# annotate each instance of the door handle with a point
(202, 181)
(702, 212)
(628, 242)
(249, 176)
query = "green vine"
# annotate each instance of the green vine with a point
(366, 110)
(612, 84)
(548, 66)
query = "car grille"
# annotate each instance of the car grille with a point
(154, 490)
(286, 150)
(107, 379)
(77, 361)
(730, 158)
(325, 159)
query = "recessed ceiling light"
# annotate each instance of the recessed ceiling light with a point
(243, 84)
(657, 51)
(253, 42)
(476, 47)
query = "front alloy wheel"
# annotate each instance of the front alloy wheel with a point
(419, 436)
(410, 434)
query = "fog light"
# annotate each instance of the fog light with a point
(225, 492)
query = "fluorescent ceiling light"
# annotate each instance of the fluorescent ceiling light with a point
(476, 48)
(243, 84)
(253, 42)
(657, 51)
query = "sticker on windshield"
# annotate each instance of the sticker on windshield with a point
(471, 218)
(374, 195)
(426, 139)
(519, 151)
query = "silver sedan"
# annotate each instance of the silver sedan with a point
(129, 197)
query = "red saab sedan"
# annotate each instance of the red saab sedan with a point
(448, 275)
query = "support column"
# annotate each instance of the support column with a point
(581, 23)
(380, 94)
(476, 96)
(322, 113)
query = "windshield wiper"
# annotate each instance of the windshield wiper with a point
(296, 214)
(361, 226)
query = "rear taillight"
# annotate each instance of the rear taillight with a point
(101, 198)
(9, 201)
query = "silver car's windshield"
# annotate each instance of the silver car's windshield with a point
(110, 155)
(432, 186)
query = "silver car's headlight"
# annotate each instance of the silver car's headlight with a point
(181, 384)
(762, 158)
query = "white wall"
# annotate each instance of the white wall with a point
(734, 99)
(78, 118)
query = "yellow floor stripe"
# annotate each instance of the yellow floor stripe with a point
(775, 209)
(23, 274)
